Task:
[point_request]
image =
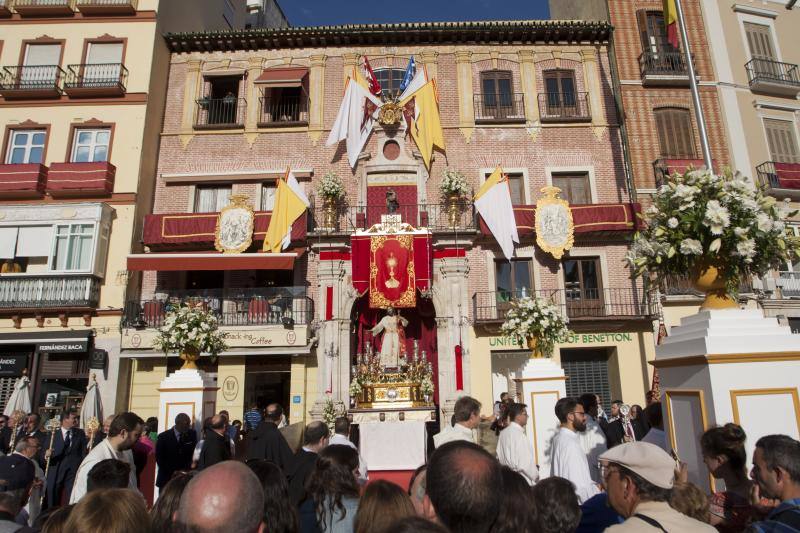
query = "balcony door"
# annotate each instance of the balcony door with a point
(103, 64)
(762, 50)
(782, 141)
(583, 289)
(497, 91)
(40, 66)
(561, 96)
(513, 279)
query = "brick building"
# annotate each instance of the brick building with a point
(534, 97)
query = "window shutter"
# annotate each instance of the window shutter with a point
(42, 54)
(781, 140)
(675, 134)
(104, 53)
(759, 40)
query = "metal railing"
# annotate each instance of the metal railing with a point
(662, 168)
(32, 78)
(663, 63)
(96, 76)
(107, 3)
(42, 3)
(767, 176)
(502, 107)
(564, 107)
(283, 111)
(435, 217)
(769, 71)
(789, 283)
(233, 307)
(227, 112)
(682, 286)
(627, 303)
(49, 291)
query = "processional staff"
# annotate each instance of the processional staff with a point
(92, 426)
(52, 425)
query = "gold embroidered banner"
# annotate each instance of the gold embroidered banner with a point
(391, 271)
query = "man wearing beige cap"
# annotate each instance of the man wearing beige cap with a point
(638, 477)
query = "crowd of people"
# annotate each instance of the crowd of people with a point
(607, 473)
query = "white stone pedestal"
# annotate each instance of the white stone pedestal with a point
(732, 365)
(540, 384)
(186, 391)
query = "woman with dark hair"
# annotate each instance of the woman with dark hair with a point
(556, 505)
(516, 510)
(168, 501)
(280, 516)
(382, 504)
(332, 492)
(725, 457)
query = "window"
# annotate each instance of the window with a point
(582, 279)
(103, 64)
(220, 103)
(73, 247)
(285, 105)
(390, 80)
(229, 13)
(40, 65)
(653, 33)
(91, 145)
(560, 88)
(759, 41)
(516, 184)
(211, 199)
(513, 279)
(781, 140)
(268, 191)
(26, 146)
(675, 132)
(575, 188)
(497, 91)
(587, 372)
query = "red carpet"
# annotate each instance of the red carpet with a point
(398, 477)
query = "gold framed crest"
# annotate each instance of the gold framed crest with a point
(234, 232)
(555, 229)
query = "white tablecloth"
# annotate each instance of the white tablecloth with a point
(393, 445)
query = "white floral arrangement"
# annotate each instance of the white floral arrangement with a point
(426, 385)
(700, 218)
(355, 388)
(190, 328)
(329, 414)
(537, 318)
(453, 182)
(331, 186)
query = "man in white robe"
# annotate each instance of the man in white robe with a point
(568, 459)
(466, 417)
(390, 325)
(513, 448)
(123, 433)
(593, 439)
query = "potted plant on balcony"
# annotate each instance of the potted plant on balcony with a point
(454, 189)
(190, 331)
(717, 229)
(536, 321)
(332, 191)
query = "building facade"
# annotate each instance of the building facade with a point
(82, 91)
(533, 97)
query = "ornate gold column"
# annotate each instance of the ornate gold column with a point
(316, 95)
(466, 110)
(190, 94)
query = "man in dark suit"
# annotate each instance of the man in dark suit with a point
(69, 448)
(216, 446)
(174, 449)
(267, 442)
(31, 427)
(314, 440)
(5, 435)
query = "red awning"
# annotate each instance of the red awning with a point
(213, 261)
(283, 77)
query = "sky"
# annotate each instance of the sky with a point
(333, 12)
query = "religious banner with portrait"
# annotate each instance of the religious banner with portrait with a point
(391, 271)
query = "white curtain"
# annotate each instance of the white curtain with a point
(8, 242)
(34, 241)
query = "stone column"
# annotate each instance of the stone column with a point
(190, 94)
(528, 74)
(316, 94)
(255, 65)
(591, 77)
(429, 61)
(466, 109)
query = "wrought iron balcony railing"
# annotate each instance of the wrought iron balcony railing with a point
(220, 113)
(38, 80)
(564, 107)
(438, 217)
(49, 291)
(766, 75)
(284, 111)
(96, 79)
(664, 66)
(682, 286)
(107, 7)
(233, 307)
(499, 108)
(779, 175)
(44, 7)
(789, 282)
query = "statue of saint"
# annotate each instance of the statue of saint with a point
(392, 327)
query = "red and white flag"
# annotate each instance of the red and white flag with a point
(374, 84)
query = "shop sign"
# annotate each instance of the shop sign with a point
(235, 337)
(230, 388)
(97, 359)
(76, 346)
(297, 399)
(11, 366)
(575, 338)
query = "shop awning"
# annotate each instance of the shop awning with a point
(211, 261)
(52, 342)
(282, 77)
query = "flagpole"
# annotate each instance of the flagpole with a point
(698, 110)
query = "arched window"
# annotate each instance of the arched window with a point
(675, 132)
(390, 80)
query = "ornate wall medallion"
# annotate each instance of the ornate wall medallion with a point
(555, 230)
(234, 232)
(390, 113)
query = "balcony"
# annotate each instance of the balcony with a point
(81, 179)
(44, 8)
(789, 283)
(490, 307)
(606, 219)
(434, 217)
(681, 287)
(92, 80)
(282, 112)
(22, 180)
(564, 107)
(5, 8)
(31, 81)
(503, 108)
(663, 68)
(773, 77)
(781, 179)
(273, 306)
(664, 167)
(92, 8)
(220, 113)
(48, 291)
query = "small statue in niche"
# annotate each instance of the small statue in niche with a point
(392, 205)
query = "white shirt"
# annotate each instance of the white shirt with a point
(453, 433)
(101, 452)
(570, 462)
(658, 437)
(514, 450)
(341, 440)
(593, 442)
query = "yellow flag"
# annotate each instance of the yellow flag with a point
(670, 12)
(359, 78)
(290, 204)
(491, 181)
(427, 129)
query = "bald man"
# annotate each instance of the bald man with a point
(223, 498)
(215, 447)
